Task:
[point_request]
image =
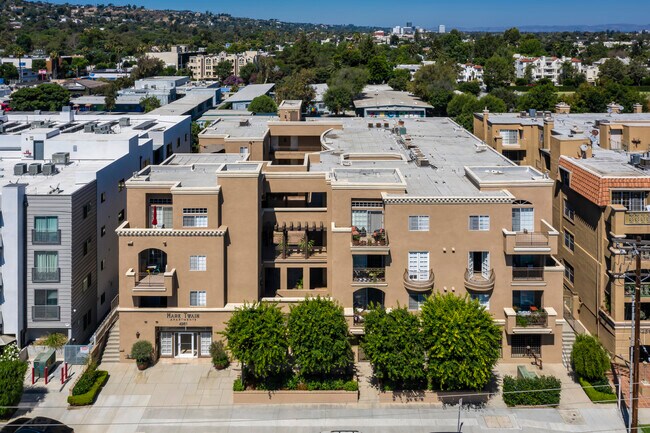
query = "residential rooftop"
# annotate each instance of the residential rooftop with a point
(250, 92)
(380, 96)
(609, 163)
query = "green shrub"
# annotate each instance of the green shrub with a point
(238, 385)
(219, 355)
(540, 391)
(598, 393)
(351, 385)
(12, 376)
(90, 396)
(53, 341)
(589, 358)
(87, 380)
(142, 351)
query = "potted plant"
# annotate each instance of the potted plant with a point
(299, 284)
(306, 245)
(219, 356)
(282, 246)
(142, 352)
(355, 239)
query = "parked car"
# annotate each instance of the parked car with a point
(39, 424)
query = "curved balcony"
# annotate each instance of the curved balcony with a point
(418, 285)
(477, 282)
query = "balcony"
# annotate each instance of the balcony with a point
(527, 274)
(535, 321)
(295, 252)
(624, 222)
(46, 275)
(539, 242)
(46, 238)
(425, 285)
(149, 284)
(46, 313)
(369, 243)
(369, 275)
(477, 282)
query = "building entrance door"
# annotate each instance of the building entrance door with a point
(186, 346)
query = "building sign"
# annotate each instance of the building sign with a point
(637, 218)
(183, 318)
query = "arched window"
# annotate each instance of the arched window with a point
(364, 298)
(152, 261)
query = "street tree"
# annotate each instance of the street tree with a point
(461, 342)
(46, 97)
(318, 337)
(297, 87)
(498, 72)
(338, 98)
(400, 79)
(379, 70)
(148, 67)
(612, 70)
(542, 97)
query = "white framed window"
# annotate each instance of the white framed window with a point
(206, 341)
(166, 344)
(416, 300)
(419, 223)
(523, 219)
(569, 241)
(634, 201)
(479, 222)
(482, 298)
(195, 217)
(198, 298)
(243, 150)
(198, 263)
(568, 272)
(419, 265)
(568, 211)
(510, 136)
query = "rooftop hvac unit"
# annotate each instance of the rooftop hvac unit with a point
(61, 157)
(645, 163)
(244, 123)
(103, 129)
(532, 112)
(49, 169)
(38, 124)
(34, 168)
(20, 168)
(635, 159)
(89, 127)
(125, 121)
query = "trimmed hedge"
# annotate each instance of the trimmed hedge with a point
(12, 377)
(89, 397)
(297, 383)
(540, 391)
(598, 393)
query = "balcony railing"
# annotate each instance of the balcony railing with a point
(46, 238)
(418, 285)
(296, 252)
(531, 239)
(361, 238)
(478, 282)
(46, 275)
(146, 279)
(527, 274)
(532, 319)
(630, 288)
(369, 275)
(46, 313)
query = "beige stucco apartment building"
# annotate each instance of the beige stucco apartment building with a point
(363, 212)
(600, 167)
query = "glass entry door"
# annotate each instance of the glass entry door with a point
(186, 345)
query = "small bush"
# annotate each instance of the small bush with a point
(351, 385)
(53, 341)
(219, 356)
(598, 392)
(90, 396)
(589, 358)
(12, 377)
(142, 351)
(238, 385)
(540, 391)
(87, 380)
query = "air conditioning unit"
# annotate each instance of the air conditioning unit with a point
(34, 168)
(103, 129)
(49, 169)
(61, 158)
(125, 121)
(89, 127)
(20, 168)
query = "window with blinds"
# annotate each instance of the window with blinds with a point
(198, 263)
(198, 298)
(419, 223)
(195, 217)
(479, 222)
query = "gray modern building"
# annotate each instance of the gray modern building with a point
(61, 198)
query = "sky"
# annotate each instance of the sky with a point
(423, 13)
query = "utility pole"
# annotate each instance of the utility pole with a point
(635, 248)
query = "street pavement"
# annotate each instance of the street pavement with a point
(173, 397)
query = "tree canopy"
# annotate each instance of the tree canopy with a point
(46, 97)
(263, 104)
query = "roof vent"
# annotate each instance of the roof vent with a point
(244, 123)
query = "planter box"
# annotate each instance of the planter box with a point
(295, 397)
(431, 397)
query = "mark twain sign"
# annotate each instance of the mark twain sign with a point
(183, 318)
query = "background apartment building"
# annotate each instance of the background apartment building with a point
(203, 65)
(544, 67)
(600, 199)
(62, 199)
(351, 209)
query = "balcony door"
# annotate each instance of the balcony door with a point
(479, 263)
(523, 219)
(419, 265)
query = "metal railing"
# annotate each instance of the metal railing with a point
(46, 313)
(369, 275)
(531, 239)
(517, 351)
(366, 239)
(528, 274)
(46, 275)
(150, 279)
(533, 319)
(46, 238)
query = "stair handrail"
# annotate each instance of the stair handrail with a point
(107, 323)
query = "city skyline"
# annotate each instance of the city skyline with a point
(423, 13)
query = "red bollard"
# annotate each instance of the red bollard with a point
(62, 373)
(46, 374)
(66, 370)
(33, 375)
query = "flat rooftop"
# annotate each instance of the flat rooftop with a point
(239, 127)
(251, 92)
(609, 163)
(382, 97)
